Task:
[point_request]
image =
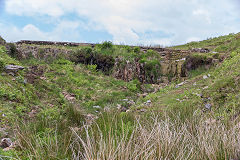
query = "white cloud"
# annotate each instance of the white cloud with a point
(128, 20)
(204, 13)
(33, 7)
(12, 33)
(65, 30)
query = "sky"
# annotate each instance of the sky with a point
(133, 22)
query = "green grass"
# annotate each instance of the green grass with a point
(210, 43)
(46, 95)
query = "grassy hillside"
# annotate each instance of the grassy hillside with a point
(59, 110)
(57, 91)
(218, 44)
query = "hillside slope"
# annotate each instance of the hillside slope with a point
(61, 109)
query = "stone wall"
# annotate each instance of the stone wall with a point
(28, 51)
(72, 44)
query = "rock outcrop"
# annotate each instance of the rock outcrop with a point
(172, 64)
(163, 72)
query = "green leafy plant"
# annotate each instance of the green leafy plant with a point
(92, 68)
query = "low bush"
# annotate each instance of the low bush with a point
(13, 52)
(136, 49)
(195, 61)
(88, 56)
(107, 45)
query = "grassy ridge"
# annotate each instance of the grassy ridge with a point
(211, 43)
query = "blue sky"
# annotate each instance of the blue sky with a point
(163, 22)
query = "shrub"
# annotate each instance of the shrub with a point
(152, 69)
(233, 54)
(13, 52)
(104, 62)
(128, 48)
(194, 61)
(150, 52)
(136, 49)
(135, 86)
(83, 55)
(107, 45)
(88, 56)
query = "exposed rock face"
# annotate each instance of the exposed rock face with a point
(172, 67)
(168, 69)
(128, 70)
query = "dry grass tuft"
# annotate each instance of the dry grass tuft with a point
(160, 139)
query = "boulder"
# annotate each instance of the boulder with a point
(180, 84)
(148, 103)
(205, 77)
(96, 107)
(13, 68)
(208, 106)
(5, 143)
(201, 50)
